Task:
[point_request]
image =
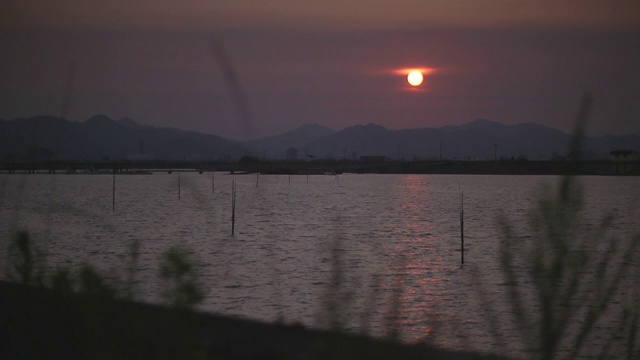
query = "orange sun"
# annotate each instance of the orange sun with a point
(415, 78)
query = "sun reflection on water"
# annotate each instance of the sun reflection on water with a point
(413, 261)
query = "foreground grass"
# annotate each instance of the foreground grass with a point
(38, 323)
(76, 313)
(569, 281)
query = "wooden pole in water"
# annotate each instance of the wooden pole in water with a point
(178, 185)
(462, 228)
(257, 179)
(233, 206)
(213, 182)
(289, 178)
(113, 202)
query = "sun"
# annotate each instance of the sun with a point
(415, 78)
(415, 75)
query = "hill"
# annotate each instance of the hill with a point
(477, 140)
(42, 138)
(100, 137)
(298, 138)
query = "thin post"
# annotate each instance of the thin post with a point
(113, 202)
(462, 228)
(289, 178)
(178, 185)
(233, 206)
(257, 179)
(213, 182)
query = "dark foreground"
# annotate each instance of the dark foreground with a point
(40, 324)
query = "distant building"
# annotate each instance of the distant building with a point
(625, 161)
(372, 158)
(292, 154)
(625, 155)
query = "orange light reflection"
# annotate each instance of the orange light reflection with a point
(405, 71)
(413, 268)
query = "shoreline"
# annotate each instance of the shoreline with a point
(335, 167)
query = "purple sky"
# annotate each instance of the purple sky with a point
(327, 62)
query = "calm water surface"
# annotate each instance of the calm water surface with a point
(386, 232)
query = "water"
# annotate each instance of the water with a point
(387, 231)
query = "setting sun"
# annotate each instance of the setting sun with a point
(415, 78)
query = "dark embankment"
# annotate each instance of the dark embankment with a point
(37, 323)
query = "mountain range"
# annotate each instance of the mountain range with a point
(101, 138)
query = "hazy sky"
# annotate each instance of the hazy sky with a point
(280, 64)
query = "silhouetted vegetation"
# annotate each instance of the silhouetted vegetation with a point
(622, 153)
(83, 316)
(565, 281)
(248, 160)
(90, 282)
(180, 279)
(177, 271)
(26, 261)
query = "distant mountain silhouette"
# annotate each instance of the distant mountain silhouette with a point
(476, 124)
(130, 123)
(479, 139)
(276, 146)
(101, 138)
